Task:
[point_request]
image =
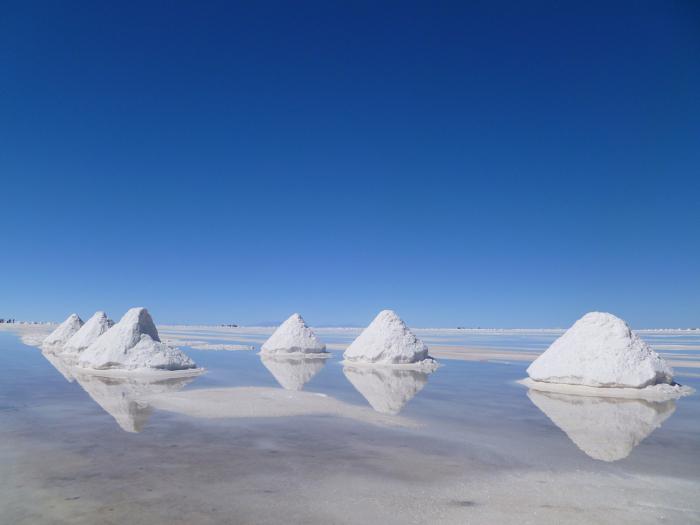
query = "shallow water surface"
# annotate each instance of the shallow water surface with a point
(275, 440)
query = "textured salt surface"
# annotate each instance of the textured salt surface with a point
(600, 350)
(387, 340)
(293, 336)
(132, 344)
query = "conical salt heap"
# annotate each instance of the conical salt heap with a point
(387, 340)
(293, 336)
(65, 331)
(133, 344)
(606, 429)
(600, 350)
(97, 325)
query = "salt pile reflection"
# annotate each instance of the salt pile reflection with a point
(386, 389)
(605, 428)
(293, 372)
(124, 398)
(63, 366)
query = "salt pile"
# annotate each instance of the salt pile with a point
(65, 331)
(600, 350)
(133, 344)
(293, 372)
(604, 428)
(387, 340)
(88, 334)
(293, 336)
(386, 389)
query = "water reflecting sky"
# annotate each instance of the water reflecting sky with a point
(307, 440)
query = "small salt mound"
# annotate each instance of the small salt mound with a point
(293, 372)
(293, 336)
(600, 350)
(133, 344)
(387, 340)
(97, 325)
(606, 429)
(386, 389)
(65, 331)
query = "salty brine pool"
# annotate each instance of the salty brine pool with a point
(465, 444)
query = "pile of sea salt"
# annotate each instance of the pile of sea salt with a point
(133, 344)
(293, 336)
(388, 341)
(600, 351)
(97, 325)
(64, 332)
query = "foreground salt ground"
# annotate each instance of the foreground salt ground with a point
(478, 447)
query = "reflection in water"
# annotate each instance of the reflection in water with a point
(605, 428)
(387, 389)
(121, 398)
(293, 372)
(59, 364)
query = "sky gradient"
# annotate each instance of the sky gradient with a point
(494, 164)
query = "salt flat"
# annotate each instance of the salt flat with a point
(251, 441)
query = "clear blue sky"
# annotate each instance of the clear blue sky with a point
(465, 163)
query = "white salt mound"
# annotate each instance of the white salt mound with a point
(293, 336)
(133, 344)
(97, 325)
(65, 331)
(387, 340)
(600, 350)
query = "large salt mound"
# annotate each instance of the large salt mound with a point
(293, 336)
(97, 325)
(133, 344)
(387, 340)
(600, 350)
(65, 331)
(606, 429)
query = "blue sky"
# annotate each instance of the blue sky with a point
(468, 163)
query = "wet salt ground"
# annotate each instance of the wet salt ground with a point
(479, 450)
